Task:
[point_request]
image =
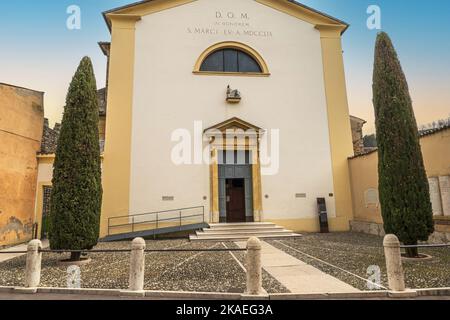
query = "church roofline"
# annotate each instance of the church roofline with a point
(321, 13)
(135, 4)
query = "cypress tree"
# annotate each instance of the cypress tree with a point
(403, 185)
(77, 191)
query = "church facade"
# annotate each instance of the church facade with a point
(237, 106)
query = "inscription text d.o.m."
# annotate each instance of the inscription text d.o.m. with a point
(232, 15)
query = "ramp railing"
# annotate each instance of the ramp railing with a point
(158, 220)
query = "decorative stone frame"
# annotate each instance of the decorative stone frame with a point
(232, 45)
(250, 145)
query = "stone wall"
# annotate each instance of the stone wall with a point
(21, 125)
(357, 125)
(49, 138)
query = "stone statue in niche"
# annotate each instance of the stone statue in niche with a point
(233, 96)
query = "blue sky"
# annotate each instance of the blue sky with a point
(38, 51)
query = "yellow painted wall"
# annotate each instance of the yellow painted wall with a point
(21, 125)
(116, 166)
(338, 119)
(436, 153)
(364, 172)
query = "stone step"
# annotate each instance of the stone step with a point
(242, 238)
(243, 229)
(243, 234)
(242, 224)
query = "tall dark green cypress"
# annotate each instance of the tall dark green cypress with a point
(77, 191)
(403, 185)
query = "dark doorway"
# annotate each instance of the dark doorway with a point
(235, 189)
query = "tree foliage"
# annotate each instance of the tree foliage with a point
(403, 185)
(77, 191)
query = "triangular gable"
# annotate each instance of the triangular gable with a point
(290, 7)
(234, 123)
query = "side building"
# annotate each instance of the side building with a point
(364, 181)
(21, 125)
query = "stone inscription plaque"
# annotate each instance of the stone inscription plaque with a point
(371, 198)
(444, 184)
(435, 196)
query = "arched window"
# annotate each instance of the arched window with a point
(231, 58)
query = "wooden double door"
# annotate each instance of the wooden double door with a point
(235, 193)
(235, 197)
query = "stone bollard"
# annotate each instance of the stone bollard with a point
(137, 265)
(253, 265)
(394, 263)
(33, 266)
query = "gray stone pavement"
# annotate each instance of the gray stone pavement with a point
(296, 275)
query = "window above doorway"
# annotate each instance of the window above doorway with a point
(231, 58)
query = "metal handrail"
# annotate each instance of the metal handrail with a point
(155, 212)
(180, 218)
(154, 221)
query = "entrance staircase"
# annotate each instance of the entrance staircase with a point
(242, 232)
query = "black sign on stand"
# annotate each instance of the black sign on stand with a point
(323, 215)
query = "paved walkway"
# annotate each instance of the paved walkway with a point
(296, 275)
(22, 247)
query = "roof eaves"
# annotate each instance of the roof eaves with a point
(133, 4)
(291, 1)
(347, 25)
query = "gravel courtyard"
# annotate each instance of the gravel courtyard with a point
(185, 271)
(220, 272)
(355, 252)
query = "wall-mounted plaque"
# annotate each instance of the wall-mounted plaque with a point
(168, 198)
(444, 185)
(435, 196)
(300, 195)
(371, 198)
